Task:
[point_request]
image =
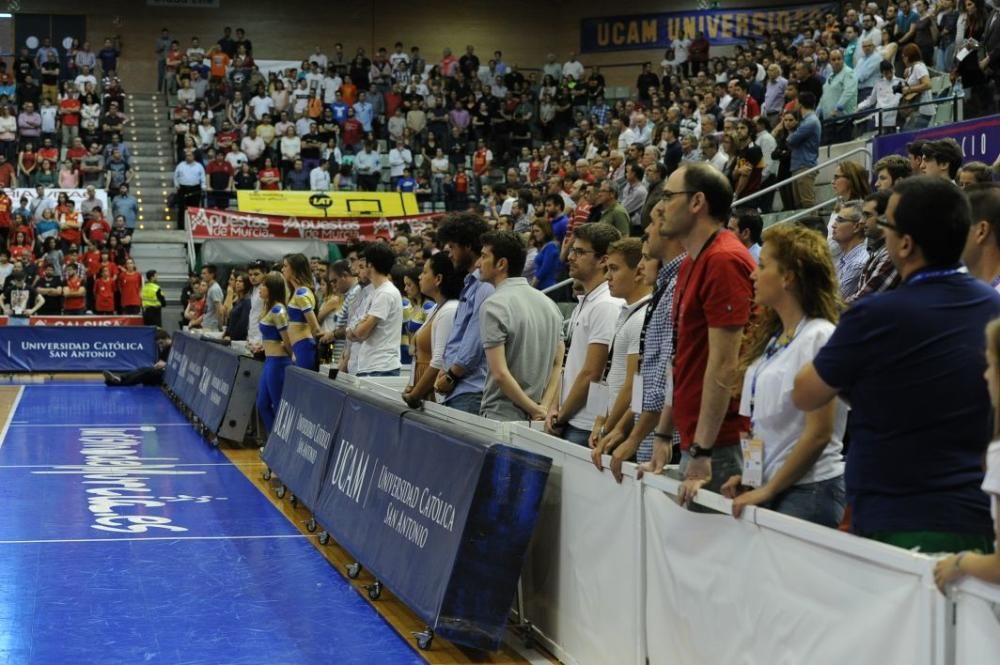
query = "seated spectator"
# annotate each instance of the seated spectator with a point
(974, 173)
(792, 460)
(913, 356)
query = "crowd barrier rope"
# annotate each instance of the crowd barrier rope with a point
(620, 573)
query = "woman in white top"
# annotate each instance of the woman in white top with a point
(441, 282)
(792, 460)
(917, 88)
(982, 566)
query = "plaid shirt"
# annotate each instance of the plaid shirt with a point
(658, 348)
(878, 275)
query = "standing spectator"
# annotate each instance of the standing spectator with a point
(520, 329)
(219, 174)
(748, 226)
(840, 97)
(698, 53)
(916, 89)
(130, 289)
(464, 376)
(127, 206)
(190, 182)
(711, 309)
(377, 333)
(914, 355)
(212, 315)
(591, 329)
(804, 143)
(152, 300)
(878, 274)
(982, 249)
(611, 212)
(319, 177)
(801, 470)
(634, 197)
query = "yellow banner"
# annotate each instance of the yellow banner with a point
(328, 204)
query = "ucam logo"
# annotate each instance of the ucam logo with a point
(284, 421)
(206, 380)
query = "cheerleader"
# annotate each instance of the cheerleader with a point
(277, 346)
(303, 327)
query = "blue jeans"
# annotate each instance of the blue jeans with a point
(467, 402)
(394, 372)
(726, 462)
(576, 435)
(821, 503)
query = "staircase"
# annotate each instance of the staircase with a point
(157, 244)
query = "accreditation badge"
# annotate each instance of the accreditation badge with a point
(753, 461)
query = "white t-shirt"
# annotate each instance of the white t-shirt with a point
(380, 352)
(593, 322)
(357, 312)
(256, 311)
(991, 482)
(261, 105)
(628, 331)
(776, 421)
(917, 72)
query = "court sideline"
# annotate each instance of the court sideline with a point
(127, 537)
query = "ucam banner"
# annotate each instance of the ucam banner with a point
(979, 139)
(73, 321)
(78, 349)
(720, 26)
(210, 224)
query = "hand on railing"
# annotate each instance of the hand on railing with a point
(732, 489)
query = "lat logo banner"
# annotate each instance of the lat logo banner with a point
(721, 27)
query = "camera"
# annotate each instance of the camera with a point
(897, 88)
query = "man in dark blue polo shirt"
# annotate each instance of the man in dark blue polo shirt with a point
(910, 362)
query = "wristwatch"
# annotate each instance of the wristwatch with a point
(696, 451)
(663, 435)
(452, 377)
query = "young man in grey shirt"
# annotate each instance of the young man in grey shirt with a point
(520, 329)
(212, 319)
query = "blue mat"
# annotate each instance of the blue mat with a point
(125, 538)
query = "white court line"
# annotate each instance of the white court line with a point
(25, 423)
(153, 538)
(10, 416)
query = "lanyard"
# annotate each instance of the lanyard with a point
(611, 351)
(931, 274)
(577, 311)
(653, 303)
(774, 347)
(679, 296)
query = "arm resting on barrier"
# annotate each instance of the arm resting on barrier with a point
(985, 567)
(422, 389)
(811, 391)
(624, 398)
(807, 450)
(551, 395)
(497, 360)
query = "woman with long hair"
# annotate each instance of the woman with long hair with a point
(793, 462)
(916, 89)
(303, 327)
(45, 176)
(971, 26)
(850, 183)
(985, 567)
(130, 288)
(277, 347)
(442, 283)
(416, 308)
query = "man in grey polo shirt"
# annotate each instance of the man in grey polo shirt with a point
(213, 299)
(520, 329)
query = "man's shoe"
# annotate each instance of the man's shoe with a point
(111, 379)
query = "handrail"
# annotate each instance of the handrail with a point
(815, 169)
(802, 213)
(557, 286)
(864, 115)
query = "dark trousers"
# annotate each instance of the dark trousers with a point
(188, 196)
(152, 316)
(147, 376)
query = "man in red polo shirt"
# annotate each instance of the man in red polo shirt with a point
(711, 309)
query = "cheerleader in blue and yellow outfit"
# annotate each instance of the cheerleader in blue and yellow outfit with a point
(303, 327)
(277, 347)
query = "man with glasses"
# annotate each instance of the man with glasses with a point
(849, 234)
(711, 308)
(591, 328)
(878, 274)
(911, 364)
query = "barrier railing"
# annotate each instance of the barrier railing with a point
(619, 573)
(864, 150)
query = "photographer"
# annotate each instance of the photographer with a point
(19, 299)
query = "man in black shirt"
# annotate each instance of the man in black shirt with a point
(147, 376)
(18, 299)
(23, 66)
(49, 286)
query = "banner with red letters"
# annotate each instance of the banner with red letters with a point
(208, 224)
(74, 321)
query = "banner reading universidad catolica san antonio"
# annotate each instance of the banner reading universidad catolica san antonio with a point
(720, 26)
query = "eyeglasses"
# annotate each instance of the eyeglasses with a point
(667, 194)
(576, 251)
(845, 220)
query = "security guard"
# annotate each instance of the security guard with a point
(152, 301)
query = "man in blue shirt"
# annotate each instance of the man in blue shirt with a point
(804, 142)
(464, 358)
(911, 363)
(363, 111)
(406, 183)
(339, 108)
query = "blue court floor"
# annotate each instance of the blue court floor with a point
(125, 538)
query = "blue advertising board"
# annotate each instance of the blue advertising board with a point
(720, 26)
(301, 441)
(442, 517)
(218, 371)
(979, 139)
(178, 346)
(78, 349)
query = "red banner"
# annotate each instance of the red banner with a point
(206, 224)
(79, 321)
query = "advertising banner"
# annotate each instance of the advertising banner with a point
(73, 321)
(189, 371)
(218, 371)
(979, 139)
(300, 443)
(178, 349)
(84, 349)
(721, 27)
(206, 224)
(328, 204)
